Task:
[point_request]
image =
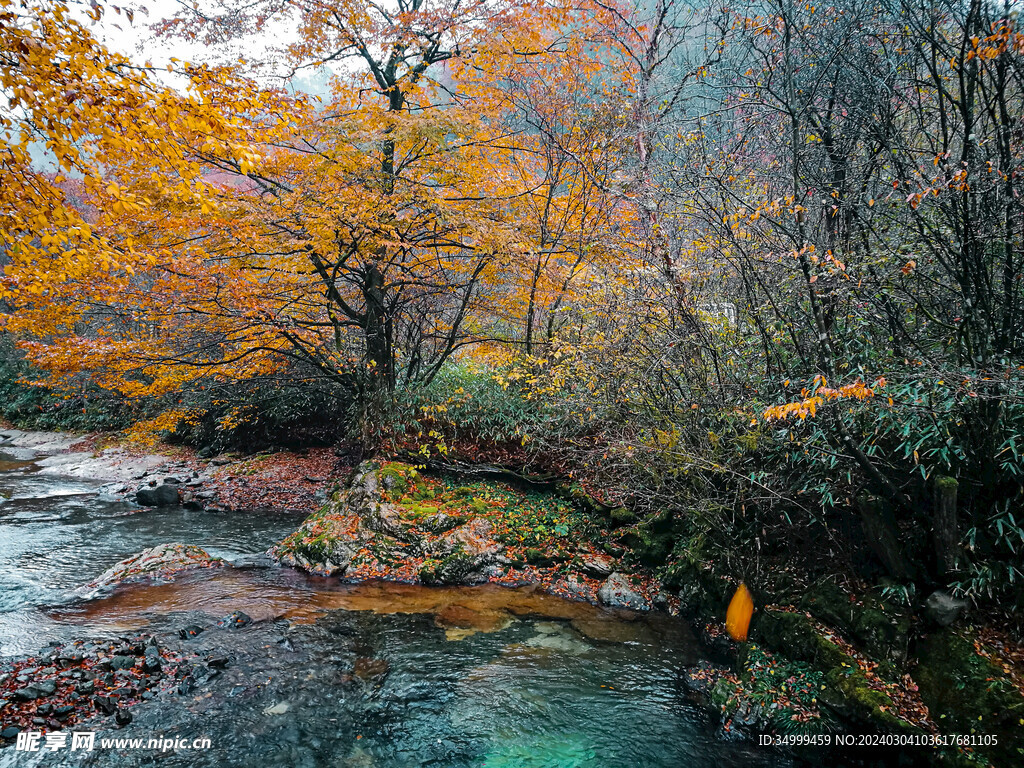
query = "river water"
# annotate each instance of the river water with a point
(334, 674)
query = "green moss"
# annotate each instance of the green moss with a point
(876, 626)
(650, 546)
(423, 510)
(966, 693)
(538, 557)
(396, 479)
(449, 570)
(622, 516)
(847, 690)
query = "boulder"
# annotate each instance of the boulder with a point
(165, 495)
(474, 540)
(618, 592)
(385, 518)
(944, 609)
(160, 561)
(598, 566)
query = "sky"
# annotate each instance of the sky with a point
(135, 40)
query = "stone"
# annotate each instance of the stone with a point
(187, 633)
(105, 704)
(165, 495)
(944, 609)
(618, 592)
(36, 690)
(598, 566)
(441, 523)
(235, 620)
(123, 717)
(162, 560)
(122, 662)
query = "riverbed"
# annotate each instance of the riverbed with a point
(336, 674)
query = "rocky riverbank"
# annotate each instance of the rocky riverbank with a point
(821, 658)
(393, 522)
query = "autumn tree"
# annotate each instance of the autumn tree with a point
(372, 233)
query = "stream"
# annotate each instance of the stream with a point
(335, 674)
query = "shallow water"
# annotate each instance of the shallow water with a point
(334, 674)
(56, 535)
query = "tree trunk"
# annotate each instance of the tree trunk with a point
(881, 535)
(945, 530)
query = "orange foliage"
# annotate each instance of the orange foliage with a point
(737, 617)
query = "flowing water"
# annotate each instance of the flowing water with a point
(334, 674)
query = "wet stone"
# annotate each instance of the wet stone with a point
(190, 631)
(105, 704)
(235, 620)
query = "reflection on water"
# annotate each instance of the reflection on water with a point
(330, 674)
(380, 674)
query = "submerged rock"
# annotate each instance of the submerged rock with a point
(618, 592)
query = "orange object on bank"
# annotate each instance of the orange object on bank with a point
(737, 618)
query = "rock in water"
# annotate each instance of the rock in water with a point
(617, 592)
(156, 562)
(166, 495)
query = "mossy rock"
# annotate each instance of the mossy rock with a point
(396, 478)
(966, 693)
(449, 570)
(423, 510)
(622, 516)
(847, 691)
(650, 547)
(704, 593)
(876, 626)
(538, 557)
